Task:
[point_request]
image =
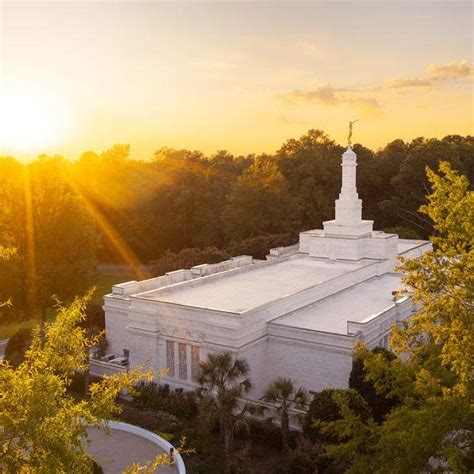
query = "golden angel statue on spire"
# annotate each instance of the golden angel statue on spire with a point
(351, 124)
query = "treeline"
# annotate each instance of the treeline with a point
(65, 216)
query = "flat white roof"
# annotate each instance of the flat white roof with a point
(404, 245)
(241, 290)
(356, 303)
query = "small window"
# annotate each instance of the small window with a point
(170, 358)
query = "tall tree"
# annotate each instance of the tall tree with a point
(42, 426)
(311, 166)
(55, 237)
(223, 380)
(286, 396)
(260, 203)
(434, 380)
(411, 185)
(379, 404)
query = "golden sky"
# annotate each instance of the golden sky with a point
(244, 76)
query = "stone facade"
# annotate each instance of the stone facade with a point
(296, 315)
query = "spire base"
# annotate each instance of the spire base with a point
(357, 230)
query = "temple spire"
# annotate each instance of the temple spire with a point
(348, 218)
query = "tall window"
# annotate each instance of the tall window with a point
(183, 361)
(195, 359)
(170, 358)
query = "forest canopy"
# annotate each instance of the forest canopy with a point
(63, 216)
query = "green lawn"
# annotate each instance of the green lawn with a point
(106, 279)
(103, 283)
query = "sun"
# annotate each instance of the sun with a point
(31, 121)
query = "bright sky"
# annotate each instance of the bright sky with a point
(238, 76)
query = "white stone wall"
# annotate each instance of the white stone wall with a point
(310, 366)
(116, 322)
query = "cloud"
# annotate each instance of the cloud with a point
(327, 95)
(453, 70)
(322, 94)
(407, 83)
(362, 97)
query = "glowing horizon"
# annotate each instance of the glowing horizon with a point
(242, 77)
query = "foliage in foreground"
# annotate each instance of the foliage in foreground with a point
(286, 396)
(434, 424)
(223, 380)
(42, 426)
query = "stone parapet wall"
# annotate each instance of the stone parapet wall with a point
(102, 369)
(180, 276)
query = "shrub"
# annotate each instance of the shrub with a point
(187, 258)
(167, 436)
(324, 408)
(379, 404)
(154, 397)
(265, 433)
(258, 247)
(94, 318)
(144, 419)
(17, 346)
(96, 468)
(305, 459)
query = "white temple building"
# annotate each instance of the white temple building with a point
(298, 314)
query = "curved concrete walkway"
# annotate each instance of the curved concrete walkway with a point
(118, 450)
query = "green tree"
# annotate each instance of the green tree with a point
(324, 408)
(260, 203)
(42, 426)
(258, 247)
(223, 380)
(286, 396)
(379, 404)
(55, 237)
(187, 258)
(410, 184)
(434, 380)
(60, 225)
(312, 168)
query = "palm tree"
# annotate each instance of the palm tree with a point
(284, 394)
(224, 381)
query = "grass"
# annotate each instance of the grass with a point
(103, 284)
(106, 279)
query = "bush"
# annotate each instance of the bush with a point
(94, 318)
(153, 397)
(305, 459)
(167, 436)
(17, 346)
(96, 468)
(265, 433)
(258, 247)
(379, 404)
(324, 408)
(187, 258)
(145, 419)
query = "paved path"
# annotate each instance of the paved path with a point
(119, 449)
